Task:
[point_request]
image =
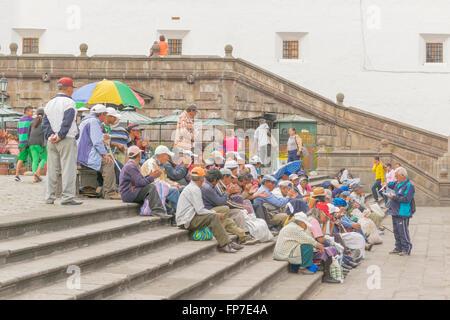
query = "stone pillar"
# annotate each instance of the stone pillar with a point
(228, 51)
(340, 99)
(13, 48)
(323, 161)
(83, 50)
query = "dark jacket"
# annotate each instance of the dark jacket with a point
(36, 136)
(131, 181)
(175, 173)
(402, 204)
(212, 198)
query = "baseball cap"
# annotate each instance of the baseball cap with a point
(269, 178)
(163, 150)
(133, 151)
(227, 172)
(209, 162)
(285, 183)
(293, 177)
(113, 112)
(231, 164)
(198, 172)
(301, 216)
(66, 82)
(189, 153)
(134, 126)
(255, 160)
(98, 108)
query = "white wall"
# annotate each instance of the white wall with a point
(375, 61)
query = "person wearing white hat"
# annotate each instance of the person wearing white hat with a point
(177, 168)
(295, 244)
(233, 166)
(157, 162)
(92, 152)
(254, 166)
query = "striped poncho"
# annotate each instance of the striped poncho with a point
(23, 130)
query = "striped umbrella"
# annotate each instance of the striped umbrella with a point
(107, 91)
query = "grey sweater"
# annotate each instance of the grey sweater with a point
(36, 136)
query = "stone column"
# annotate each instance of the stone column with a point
(228, 51)
(323, 160)
(83, 50)
(13, 48)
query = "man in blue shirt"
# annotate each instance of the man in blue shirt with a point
(275, 206)
(402, 206)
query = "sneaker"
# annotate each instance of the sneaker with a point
(329, 280)
(227, 249)
(250, 241)
(17, 178)
(236, 246)
(394, 252)
(114, 196)
(72, 203)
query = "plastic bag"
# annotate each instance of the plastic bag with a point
(336, 270)
(258, 228)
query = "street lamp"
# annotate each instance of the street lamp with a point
(3, 87)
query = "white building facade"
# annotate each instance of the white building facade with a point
(390, 58)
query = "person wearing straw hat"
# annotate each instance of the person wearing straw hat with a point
(92, 152)
(295, 244)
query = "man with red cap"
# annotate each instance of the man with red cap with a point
(61, 131)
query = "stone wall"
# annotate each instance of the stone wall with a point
(232, 88)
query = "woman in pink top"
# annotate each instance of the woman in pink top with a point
(390, 174)
(230, 141)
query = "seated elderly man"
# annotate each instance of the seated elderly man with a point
(358, 201)
(192, 215)
(162, 154)
(274, 205)
(134, 187)
(295, 244)
(177, 170)
(229, 191)
(255, 167)
(218, 202)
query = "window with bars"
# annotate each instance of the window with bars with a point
(290, 49)
(30, 45)
(175, 46)
(435, 52)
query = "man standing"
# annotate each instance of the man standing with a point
(23, 129)
(402, 206)
(263, 142)
(92, 152)
(378, 168)
(60, 129)
(294, 145)
(184, 135)
(192, 214)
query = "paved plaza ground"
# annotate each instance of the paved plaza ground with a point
(423, 275)
(19, 198)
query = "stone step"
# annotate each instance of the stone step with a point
(32, 247)
(197, 277)
(24, 276)
(292, 287)
(41, 222)
(249, 282)
(120, 276)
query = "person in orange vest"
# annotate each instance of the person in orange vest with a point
(163, 46)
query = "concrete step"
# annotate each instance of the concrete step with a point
(123, 275)
(319, 177)
(293, 287)
(24, 276)
(249, 282)
(39, 222)
(32, 247)
(195, 278)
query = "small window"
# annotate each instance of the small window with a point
(30, 45)
(175, 46)
(290, 49)
(435, 52)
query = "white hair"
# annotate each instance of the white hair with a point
(401, 171)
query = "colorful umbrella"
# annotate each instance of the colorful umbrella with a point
(106, 91)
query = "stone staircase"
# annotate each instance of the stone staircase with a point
(124, 256)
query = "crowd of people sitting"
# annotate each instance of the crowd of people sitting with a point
(328, 227)
(314, 225)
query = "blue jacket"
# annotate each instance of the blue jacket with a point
(271, 199)
(90, 144)
(402, 204)
(211, 197)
